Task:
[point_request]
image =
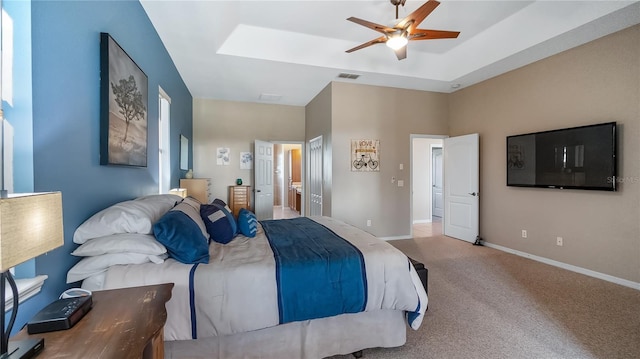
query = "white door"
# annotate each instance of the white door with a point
(461, 187)
(315, 176)
(436, 172)
(263, 180)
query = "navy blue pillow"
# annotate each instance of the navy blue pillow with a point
(220, 223)
(182, 237)
(247, 223)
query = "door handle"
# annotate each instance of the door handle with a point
(474, 194)
(258, 190)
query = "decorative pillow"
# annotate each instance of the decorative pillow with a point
(180, 231)
(219, 221)
(191, 207)
(121, 243)
(133, 216)
(247, 223)
(220, 202)
(89, 266)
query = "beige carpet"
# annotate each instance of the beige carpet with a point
(484, 303)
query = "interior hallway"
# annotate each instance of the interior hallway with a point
(431, 229)
(281, 212)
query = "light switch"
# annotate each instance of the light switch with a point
(401, 167)
(400, 183)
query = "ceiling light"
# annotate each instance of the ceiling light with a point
(397, 42)
(270, 97)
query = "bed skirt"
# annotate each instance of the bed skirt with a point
(318, 338)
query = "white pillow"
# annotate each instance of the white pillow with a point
(121, 243)
(95, 282)
(89, 266)
(133, 216)
(169, 199)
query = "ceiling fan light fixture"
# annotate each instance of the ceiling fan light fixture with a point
(397, 36)
(397, 42)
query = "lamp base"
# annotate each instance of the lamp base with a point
(24, 349)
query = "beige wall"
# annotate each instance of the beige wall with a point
(236, 125)
(596, 82)
(390, 115)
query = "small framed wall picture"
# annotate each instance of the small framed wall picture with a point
(222, 156)
(246, 160)
(365, 155)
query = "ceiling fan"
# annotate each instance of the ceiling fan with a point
(405, 30)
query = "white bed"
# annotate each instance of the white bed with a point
(241, 317)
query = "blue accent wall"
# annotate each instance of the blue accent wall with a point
(65, 55)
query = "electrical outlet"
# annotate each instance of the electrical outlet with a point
(559, 241)
(524, 233)
(368, 223)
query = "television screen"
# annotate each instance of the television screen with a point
(571, 158)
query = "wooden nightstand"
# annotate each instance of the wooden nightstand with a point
(239, 197)
(123, 323)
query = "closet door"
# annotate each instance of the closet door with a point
(315, 176)
(263, 180)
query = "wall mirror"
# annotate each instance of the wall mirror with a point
(184, 153)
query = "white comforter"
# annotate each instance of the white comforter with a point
(237, 292)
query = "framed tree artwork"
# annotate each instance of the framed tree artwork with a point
(123, 107)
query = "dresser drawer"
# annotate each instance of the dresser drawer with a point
(198, 188)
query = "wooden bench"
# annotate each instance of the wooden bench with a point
(423, 273)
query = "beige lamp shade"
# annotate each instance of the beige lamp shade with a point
(30, 225)
(182, 192)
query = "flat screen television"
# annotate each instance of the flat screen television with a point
(571, 158)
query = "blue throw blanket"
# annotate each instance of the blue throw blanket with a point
(318, 273)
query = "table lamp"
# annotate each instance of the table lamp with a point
(30, 225)
(182, 192)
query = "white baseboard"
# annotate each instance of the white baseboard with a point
(394, 238)
(588, 272)
(422, 221)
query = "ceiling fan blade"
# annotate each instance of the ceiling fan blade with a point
(423, 34)
(379, 40)
(401, 53)
(415, 18)
(377, 27)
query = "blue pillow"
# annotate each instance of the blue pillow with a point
(182, 237)
(220, 223)
(247, 223)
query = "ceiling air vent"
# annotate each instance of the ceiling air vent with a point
(344, 75)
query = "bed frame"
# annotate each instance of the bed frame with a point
(318, 338)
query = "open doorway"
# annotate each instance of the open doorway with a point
(427, 203)
(288, 180)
